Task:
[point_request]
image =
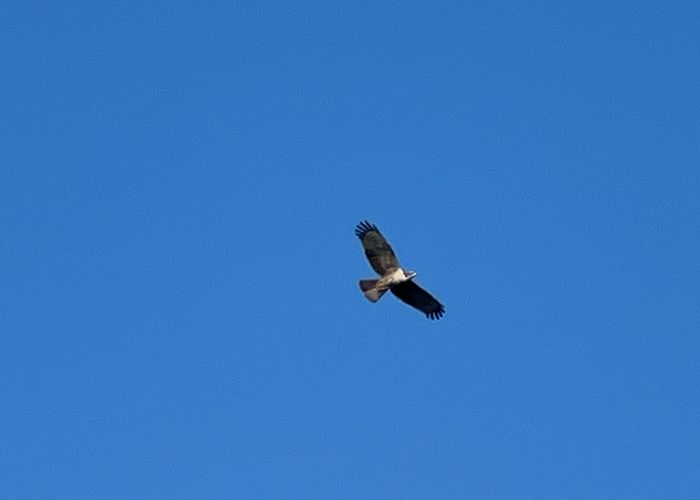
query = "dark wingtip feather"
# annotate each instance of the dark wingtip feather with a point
(363, 228)
(437, 313)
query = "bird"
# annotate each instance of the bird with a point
(392, 276)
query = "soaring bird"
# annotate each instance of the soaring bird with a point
(392, 276)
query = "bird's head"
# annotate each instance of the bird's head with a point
(409, 274)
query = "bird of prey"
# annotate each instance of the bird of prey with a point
(392, 276)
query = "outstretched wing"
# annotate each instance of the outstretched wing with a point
(378, 251)
(415, 296)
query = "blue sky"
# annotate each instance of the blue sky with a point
(180, 315)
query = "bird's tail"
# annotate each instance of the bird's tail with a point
(371, 290)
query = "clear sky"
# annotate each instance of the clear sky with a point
(179, 308)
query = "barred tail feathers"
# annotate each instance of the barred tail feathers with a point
(371, 291)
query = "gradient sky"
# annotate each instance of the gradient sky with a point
(179, 308)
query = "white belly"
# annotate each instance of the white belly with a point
(396, 277)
